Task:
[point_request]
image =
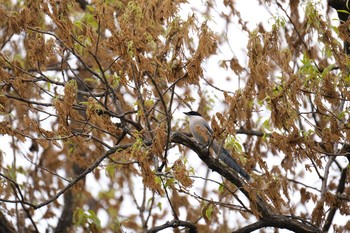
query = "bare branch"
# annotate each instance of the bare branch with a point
(174, 224)
(282, 222)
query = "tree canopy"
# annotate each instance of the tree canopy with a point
(92, 133)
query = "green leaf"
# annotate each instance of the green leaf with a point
(90, 8)
(169, 182)
(344, 11)
(266, 125)
(149, 201)
(115, 80)
(191, 171)
(116, 225)
(110, 170)
(79, 217)
(130, 48)
(71, 150)
(209, 211)
(82, 218)
(221, 188)
(149, 103)
(233, 142)
(93, 217)
(158, 180)
(79, 25)
(159, 205)
(342, 114)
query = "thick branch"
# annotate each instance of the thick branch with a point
(229, 174)
(66, 219)
(280, 221)
(175, 224)
(268, 216)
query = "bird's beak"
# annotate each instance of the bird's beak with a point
(186, 113)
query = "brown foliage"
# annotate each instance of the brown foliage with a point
(89, 95)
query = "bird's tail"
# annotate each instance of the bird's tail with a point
(225, 156)
(231, 162)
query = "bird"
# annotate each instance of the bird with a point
(203, 134)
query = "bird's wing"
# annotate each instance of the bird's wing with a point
(208, 128)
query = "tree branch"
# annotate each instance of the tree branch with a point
(267, 214)
(332, 211)
(214, 164)
(5, 225)
(282, 222)
(175, 224)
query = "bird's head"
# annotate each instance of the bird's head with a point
(192, 113)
